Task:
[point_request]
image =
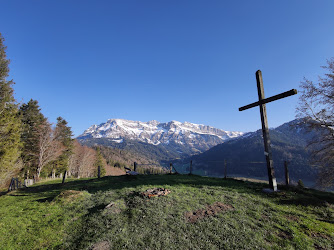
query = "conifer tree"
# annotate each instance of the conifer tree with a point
(32, 120)
(10, 124)
(100, 161)
(64, 136)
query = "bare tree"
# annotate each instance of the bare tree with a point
(49, 148)
(316, 110)
(82, 161)
(73, 166)
(87, 164)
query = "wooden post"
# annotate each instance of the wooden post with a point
(191, 167)
(64, 177)
(287, 180)
(265, 132)
(174, 168)
(99, 172)
(135, 166)
(225, 169)
(170, 168)
(10, 185)
(53, 173)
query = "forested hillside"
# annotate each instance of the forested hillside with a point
(139, 151)
(244, 156)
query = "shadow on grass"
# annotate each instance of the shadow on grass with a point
(305, 197)
(48, 199)
(46, 192)
(3, 193)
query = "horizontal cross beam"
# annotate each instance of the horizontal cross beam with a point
(270, 99)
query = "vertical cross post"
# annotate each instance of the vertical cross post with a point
(265, 132)
(225, 169)
(191, 167)
(287, 180)
(64, 177)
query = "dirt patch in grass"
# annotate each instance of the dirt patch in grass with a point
(284, 235)
(292, 218)
(319, 235)
(155, 192)
(210, 210)
(102, 245)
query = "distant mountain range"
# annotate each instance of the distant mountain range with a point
(173, 138)
(207, 147)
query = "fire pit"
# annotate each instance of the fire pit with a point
(155, 192)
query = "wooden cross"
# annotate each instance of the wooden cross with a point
(265, 129)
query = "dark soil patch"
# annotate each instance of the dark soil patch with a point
(292, 218)
(319, 235)
(210, 210)
(318, 247)
(284, 235)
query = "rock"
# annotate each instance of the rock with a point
(110, 205)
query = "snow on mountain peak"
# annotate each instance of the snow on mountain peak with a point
(154, 132)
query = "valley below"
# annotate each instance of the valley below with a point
(209, 149)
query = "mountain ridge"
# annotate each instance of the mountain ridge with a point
(245, 154)
(198, 137)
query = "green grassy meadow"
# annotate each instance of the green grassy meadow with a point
(75, 215)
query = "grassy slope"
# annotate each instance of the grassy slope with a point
(39, 218)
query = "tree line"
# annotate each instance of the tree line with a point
(32, 147)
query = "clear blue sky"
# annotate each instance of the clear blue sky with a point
(194, 61)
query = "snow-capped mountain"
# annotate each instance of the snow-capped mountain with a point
(197, 136)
